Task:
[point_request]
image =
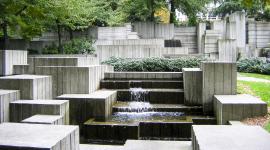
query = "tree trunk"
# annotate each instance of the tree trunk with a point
(172, 12)
(152, 17)
(70, 33)
(60, 47)
(5, 37)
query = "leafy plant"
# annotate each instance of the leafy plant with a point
(79, 46)
(253, 65)
(153, 64)
(50, 49)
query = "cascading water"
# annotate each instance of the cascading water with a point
(139, 101)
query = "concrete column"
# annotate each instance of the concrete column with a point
(219, 78)
(227, 50)
(200, 32)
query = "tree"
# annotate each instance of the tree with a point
(24, 16)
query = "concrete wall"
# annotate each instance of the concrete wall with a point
(192, 86)
(227, 50)
(150, 30)
(219, 78)
(104, 52)
(258, 34)
(7, 96)
(8, 58)
(188, 37)
(74, 80)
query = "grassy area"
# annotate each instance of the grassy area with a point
(258, 89)
(255, 75)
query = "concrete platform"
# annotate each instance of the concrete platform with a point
(18, 136)
(96, 105)
(30, 86)
(157, 145)
(230, 137)
(142, 145)
(144, 75)
(45, 119)
(238, 107)
(74, 79)
(7, 96)
(22, 109)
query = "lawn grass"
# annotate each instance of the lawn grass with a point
(259, 89)
(256, 75)
(267, 127)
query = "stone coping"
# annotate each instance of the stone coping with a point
(46, 102)
(42, 119)
(100, 94)
(24, 76)
(238, 99)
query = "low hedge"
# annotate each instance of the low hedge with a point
(153, 64)
(253, 65)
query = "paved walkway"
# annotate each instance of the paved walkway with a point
(252, 79)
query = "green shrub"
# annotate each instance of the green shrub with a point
(253, 65)
(153, 64)
(50, 49)
(79, 46)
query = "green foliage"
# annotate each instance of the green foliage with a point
(253, 65)
(50, 49)
(153, 64)
(79, 46)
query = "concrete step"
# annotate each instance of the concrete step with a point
(74, 80)
(157, 145)
(126, 84)
(142, 145)
(22, 109)
(45, 119)
(110, 132)
(7, 96)
(238, 137)
(8, 58)
(21, 136)
(154, 96)
(30, 86)
(96, 105)
(141, 106)
(144, 76)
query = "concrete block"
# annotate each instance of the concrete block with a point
(74, 80)
(227, 50)
(8, 58)
(229, 137)
(20, 136)
(45, 119)
(7, 96)
(23, 109)
(192, 86)
(96, 105)
(238, 107)
(219, 78)
(30, 86)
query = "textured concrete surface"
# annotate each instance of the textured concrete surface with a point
(238, 107)
(22, 109)
(7, 96)
(192, 86)
(18, 136)
(96, 105)
(230, 137)
(45, 119)
(30, 86)
(142, 145)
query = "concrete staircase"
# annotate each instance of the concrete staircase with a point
(157, 112)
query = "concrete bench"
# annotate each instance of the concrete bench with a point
(7, 96)
(238, 107)
(30, 86)
(22, 109)
(21, 136)
(96, 105)
(229, 137)
(45, 119)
